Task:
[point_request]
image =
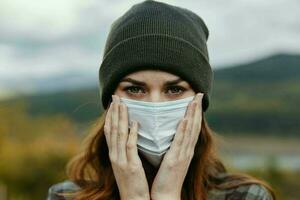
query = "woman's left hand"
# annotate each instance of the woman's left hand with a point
(173, 169)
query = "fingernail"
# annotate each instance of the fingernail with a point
(199, 97)
(134, 123)
(117, 98)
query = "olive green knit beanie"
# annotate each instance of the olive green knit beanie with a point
(158, 36)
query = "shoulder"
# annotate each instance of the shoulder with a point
(242, 192)
(253, 191)
(65, 186)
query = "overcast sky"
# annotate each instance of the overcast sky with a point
(43, 38)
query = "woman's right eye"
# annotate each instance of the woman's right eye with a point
(133, 89)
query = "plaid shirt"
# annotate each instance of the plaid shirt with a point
(243, 192)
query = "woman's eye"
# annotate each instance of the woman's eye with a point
(133, 89)
(170, 90)
(176, 89)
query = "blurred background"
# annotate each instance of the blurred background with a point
(50, 52)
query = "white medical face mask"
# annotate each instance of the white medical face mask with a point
(158, 123)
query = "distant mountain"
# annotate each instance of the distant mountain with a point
(260, 97)
(280, 67)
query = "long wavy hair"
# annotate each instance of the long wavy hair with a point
(92, 170)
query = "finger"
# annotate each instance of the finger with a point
(176, 143)
(195, 128)
(197, 121)
(123, 132)
(187, 115)
(114, 127)
(131, 146)
(107, 126)
(189, 126)
(188, 110)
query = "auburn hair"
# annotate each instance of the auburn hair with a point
(92, 171)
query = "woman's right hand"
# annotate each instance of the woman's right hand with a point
(123, 154)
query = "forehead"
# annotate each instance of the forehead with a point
(152, 75)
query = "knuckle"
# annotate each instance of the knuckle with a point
(195, 104)
(114, 127)
(132, 130)
(129, 146)
(170, 164)
(113, 159)
(106, 129)
(122, 132)
(178, 142)
(118, 141)
(122, 165)
(188, 129)
(133, 168)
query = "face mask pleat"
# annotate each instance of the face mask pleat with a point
(155, 146)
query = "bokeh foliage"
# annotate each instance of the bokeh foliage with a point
(34, 150)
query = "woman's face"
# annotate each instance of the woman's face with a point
(153, 86)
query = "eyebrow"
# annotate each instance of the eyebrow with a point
(144, 84)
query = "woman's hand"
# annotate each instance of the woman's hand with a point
(127, 166)
(173, 169)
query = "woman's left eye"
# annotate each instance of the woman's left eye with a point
(177, 89)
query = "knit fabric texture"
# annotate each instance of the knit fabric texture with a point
(154, 35)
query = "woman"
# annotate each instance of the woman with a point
(152, 141)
